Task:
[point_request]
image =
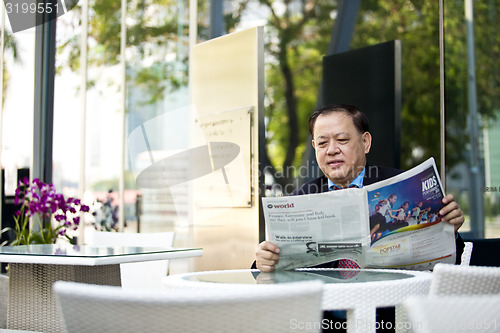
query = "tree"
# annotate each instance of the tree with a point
(487, 56)
(416, 23)
(156, 30)
(297, 35)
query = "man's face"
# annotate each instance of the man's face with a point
(340, 148)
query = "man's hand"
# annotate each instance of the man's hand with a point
(451, 212)
(267, 256)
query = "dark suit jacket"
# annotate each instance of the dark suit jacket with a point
(373, 174)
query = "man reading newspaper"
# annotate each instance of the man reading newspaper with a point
(341, 139)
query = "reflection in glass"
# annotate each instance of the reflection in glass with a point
(469, 88)
(303, 274)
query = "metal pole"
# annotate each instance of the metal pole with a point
(123, 63)
(43, 113)
(2, 47)
(441, 95)
(476, 196)
(45, 50)
(83, 112)
(193, 39)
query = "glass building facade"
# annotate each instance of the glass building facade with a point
(122, 82)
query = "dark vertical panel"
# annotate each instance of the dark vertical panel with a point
(370, 78)
(45, 48)
(216, 18)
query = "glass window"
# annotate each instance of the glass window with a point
(472, 108)
(156, 103)
(16, 118)
(100, 151)
(17, 108)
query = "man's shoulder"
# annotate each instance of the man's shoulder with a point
(376, 173)
(317, 185)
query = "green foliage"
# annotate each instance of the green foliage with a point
(296, 40)
(417, 26)
(492, 206)
(297, 35)
(46, 233)
(10, 46)
(154, 31)
(487, 53)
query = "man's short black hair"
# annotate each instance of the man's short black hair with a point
(359, 119)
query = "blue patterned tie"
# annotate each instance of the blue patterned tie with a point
(347, 263)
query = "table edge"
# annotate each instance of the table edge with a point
(95, 261)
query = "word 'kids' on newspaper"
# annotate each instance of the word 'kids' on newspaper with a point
(390, 224)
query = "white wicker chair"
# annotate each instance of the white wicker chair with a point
(466, 255)
(140, 275)
(16, 331)
(465, 280)
(262, 308)
(453, 314)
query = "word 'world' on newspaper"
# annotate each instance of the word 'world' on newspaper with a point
(394, 223)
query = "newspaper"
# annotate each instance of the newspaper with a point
(390, 224)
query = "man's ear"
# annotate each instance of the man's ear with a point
(366, 138)
(313, 144)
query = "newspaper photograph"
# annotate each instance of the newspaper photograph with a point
(390, 224)
(405, 225)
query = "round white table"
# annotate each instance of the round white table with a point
(358, 291)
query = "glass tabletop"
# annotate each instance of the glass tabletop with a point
(327, 276)
(86, 251)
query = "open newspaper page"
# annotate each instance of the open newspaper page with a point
(406, 228)
(317, 228)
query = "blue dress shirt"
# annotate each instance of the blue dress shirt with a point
(357, 182)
